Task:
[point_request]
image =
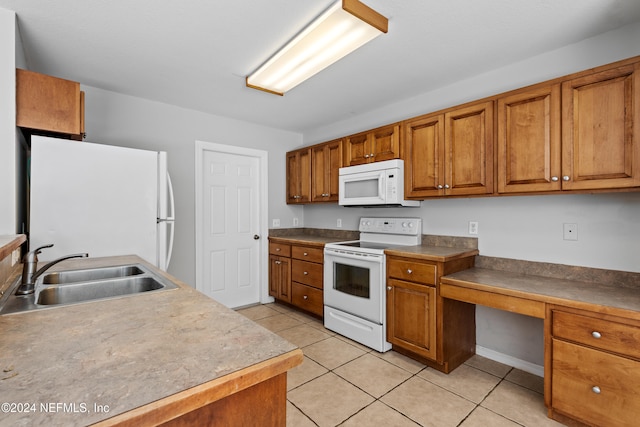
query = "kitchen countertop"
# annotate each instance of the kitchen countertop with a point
(617, 293)
(125, 353)
(305, 239)
(431, 253)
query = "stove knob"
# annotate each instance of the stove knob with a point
(404, 225)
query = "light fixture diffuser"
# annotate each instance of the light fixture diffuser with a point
(341, 29)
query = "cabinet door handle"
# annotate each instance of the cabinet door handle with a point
(409, 271)
(372, 155)
(389, 288)
(554, 178)
(446, 186)
(440, 187)
(305, 273)
(278, 262)
(596, 334)
(305, 254)
(305, 297)
(596, 389)
(366, 156)
(565, 178)
(277, 249)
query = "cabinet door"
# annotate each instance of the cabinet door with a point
(411, 317)
(385, 144)
(326, 161)
(423, 149)
(358, 149)
(529, 141)
(299, 176)
(48, 103)
(469, 150)
(601, 114)
(280, 278)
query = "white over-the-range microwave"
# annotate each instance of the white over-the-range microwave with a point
(373, 184)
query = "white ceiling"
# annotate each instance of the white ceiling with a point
(196, 53)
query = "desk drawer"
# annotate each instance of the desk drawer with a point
(308, 273)
(604, 334)
(595, 386)
(307, 254)
(307, 298)
(280, 249)
(412, 271)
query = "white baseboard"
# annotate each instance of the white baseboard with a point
(523, 365)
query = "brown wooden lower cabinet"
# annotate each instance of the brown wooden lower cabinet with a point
(420, 323)
(595, 369)
(303, 281)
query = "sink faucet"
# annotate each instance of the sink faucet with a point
(29, 273)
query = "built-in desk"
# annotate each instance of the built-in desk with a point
(592, 332)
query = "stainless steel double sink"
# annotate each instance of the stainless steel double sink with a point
(77, 286)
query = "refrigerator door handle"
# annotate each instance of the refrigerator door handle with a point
(170, 218)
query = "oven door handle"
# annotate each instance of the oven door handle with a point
(350, 255)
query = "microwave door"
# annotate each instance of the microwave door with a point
(362, 188)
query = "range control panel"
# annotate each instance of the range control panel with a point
(399, 226)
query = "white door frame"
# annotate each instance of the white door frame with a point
(263, 209)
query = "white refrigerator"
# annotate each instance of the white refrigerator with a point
(100, 199)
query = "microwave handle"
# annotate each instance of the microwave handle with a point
(381, 185)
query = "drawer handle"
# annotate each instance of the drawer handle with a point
(595, 389)
(277, 249)
(596, 334)
(305, 297)
(305, 273)
(409, 271)
(305, 254)
(278, 262)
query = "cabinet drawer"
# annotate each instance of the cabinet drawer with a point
(280, 249)
(309, 273)
(412, 270)
(595, 386)
(307, 298)
(607, 335)
(307, 254)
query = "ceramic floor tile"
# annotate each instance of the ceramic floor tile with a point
(319, 325)
(303, 373)
(378, 414)
(295, 417)
(332, 352)
(466, 381)
(278, 322)
(282, 308)
(481, 417)
(258, 312)
(303, 335)
(527, 380)
(302, 317)
(401, 361)
(354, 343)
(519, 404)
(491, 366)
(428, 404)
(329, 400)
(372, 374)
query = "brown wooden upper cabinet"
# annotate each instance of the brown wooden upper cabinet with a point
(373, 146)
(450, 153)
(49, 104)
(578, 134)
(600, 121)
(299, 176)
(326, 160)
(528, 140)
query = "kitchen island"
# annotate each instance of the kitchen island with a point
(171, 357)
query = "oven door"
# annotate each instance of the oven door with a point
(354, 282)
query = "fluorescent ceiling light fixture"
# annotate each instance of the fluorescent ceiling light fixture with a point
(341, 29)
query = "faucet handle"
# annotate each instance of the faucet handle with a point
(33, 255)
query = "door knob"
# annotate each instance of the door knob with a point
(257, 237)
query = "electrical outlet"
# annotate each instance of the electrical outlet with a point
(295, 222)
(473, 227)
(339, 223)
(570, 231)
(276, 223)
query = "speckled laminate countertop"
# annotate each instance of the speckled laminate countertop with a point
(616, 293)
(304, 239)
(431, 253)
(123, 353)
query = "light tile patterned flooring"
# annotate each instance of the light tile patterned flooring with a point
(342, 383)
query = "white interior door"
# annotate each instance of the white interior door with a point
(229, 234)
